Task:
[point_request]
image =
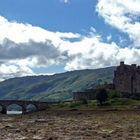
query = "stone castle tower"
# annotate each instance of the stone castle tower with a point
(127, 78)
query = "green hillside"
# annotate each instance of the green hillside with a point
(54, 87)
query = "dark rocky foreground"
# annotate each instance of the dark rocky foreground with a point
(71, 125)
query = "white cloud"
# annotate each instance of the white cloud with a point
(67, 35)
(92, 52)
(123, 15)
(109, 37)
(65, 1)
(93, 29)
(10, 70)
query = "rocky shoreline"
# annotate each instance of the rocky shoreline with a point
(71, 125)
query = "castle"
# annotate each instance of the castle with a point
(127, 79)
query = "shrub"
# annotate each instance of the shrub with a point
(136, 96)
(114, 94)
(101, 96)
(75, 104)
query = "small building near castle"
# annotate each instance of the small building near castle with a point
(127, 78)
(89, 94)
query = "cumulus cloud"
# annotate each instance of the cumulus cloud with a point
(18, 58)
(10, 50)
(10, 70)
(92, 52)
(124, 15)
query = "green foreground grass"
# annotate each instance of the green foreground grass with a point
(115, 104)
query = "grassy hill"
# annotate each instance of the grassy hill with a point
(54, 87)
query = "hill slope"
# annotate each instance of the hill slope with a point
(54, 87)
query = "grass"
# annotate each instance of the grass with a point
(116, 103)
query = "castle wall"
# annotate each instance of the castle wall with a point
(137, 83)
(122, 83)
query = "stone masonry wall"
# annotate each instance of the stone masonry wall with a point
(127, 78)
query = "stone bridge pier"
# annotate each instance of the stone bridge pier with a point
(23, 104)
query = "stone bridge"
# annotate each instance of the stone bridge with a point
(39, 105)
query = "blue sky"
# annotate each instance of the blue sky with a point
(53, 36)
(51, 14)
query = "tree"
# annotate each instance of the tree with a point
(101, 96)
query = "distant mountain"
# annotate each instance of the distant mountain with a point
(54, 87)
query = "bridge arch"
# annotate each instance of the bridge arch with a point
(31, 107)
(14, 107)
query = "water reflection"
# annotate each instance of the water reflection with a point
(14, 112)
